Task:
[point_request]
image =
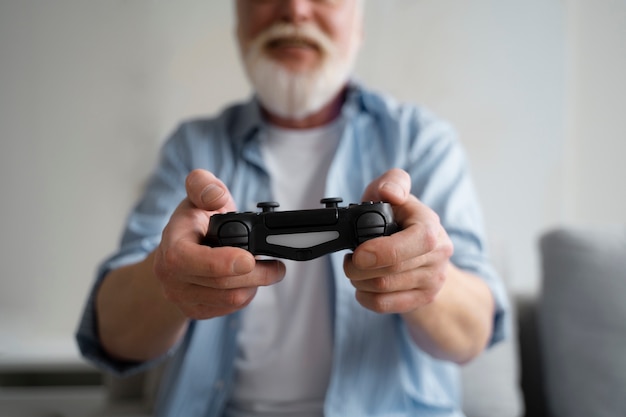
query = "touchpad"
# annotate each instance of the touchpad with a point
(302, 240)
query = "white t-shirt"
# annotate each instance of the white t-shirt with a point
(285, 343)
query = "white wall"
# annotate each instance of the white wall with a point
(495, 69)
(596, 128)
(88, 91)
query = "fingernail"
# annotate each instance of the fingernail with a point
(241, 266)
(393, 188)
(211, 193)
(366, 259)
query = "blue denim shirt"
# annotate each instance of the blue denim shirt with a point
(376, 369)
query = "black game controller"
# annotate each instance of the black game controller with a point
(302, 235)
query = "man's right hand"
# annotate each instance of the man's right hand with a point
(205, 282)
(143, 309)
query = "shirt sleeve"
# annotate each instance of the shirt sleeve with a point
(142, 234)
(442, 180)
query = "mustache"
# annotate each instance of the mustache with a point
(306, 34)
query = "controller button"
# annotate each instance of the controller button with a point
(268, 206)
(370, 225)
(331, 202)
(234, 234)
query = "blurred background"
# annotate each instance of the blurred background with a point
(90, 89)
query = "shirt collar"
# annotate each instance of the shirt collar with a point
(249, 120)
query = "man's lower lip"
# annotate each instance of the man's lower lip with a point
(288, 45)
(292, 48)
(294, 51)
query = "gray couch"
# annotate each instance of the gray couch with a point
(566, 359)
(582, 321)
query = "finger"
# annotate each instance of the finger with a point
(188, 258)
(207, 192)
(187, 223)
(393, 187)
(416, 239)
(203, 300)
(388, 251)
(397, 302)
(357, 274)
(234, 298)
(420, 279)
(214, 304)
(265, 273)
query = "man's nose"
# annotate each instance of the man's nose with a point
(295, 11)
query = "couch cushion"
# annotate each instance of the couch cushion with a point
(583, 321)
(491, 382)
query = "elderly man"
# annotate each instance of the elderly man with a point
(376, 332)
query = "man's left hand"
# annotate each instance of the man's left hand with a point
(448, 311)
(404, 271)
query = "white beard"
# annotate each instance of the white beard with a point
(294, 94)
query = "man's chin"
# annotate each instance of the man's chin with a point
(294, 89)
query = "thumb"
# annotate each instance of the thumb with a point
(207, 192)
(393, 187)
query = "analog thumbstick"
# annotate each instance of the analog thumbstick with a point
(268, 206)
